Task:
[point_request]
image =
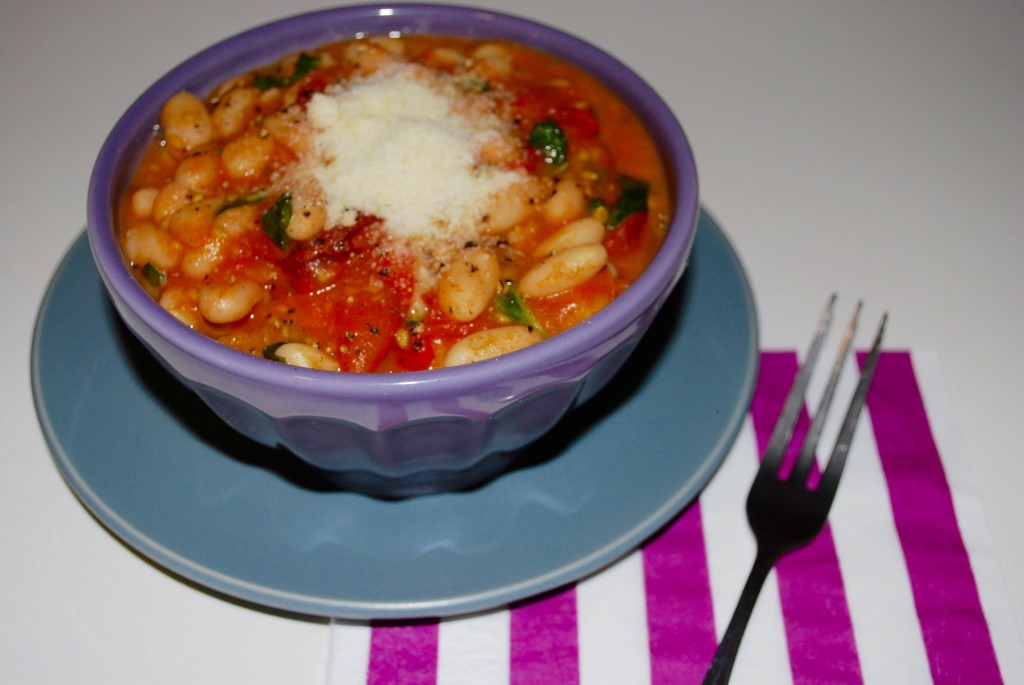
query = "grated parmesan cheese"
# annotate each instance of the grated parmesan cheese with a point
(402, 145)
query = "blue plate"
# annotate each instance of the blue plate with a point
(162, 473)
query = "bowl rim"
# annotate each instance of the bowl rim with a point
(120, 152)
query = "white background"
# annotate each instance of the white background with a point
(871, 148)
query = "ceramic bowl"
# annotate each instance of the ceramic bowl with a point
(394, 435)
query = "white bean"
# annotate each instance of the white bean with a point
(270, 99)
(142, 201)
(147, 244)
(370, 55)
(497, 149)
(168, 200)
(288, 127)
(309, 211)
(200, 261)
(185, 121)
(235, 110)
(468, 284)
(445, 58)
(306, 356)
(393, 45)
(585, 231)
(566, 203)
(181, 305)
(237, 220)
(563, 270)
(491, 51)
(247, 157)
(491, 342)
(229, 302)
(508, 209)
(230, 85)
(492, 60)
(198, 172)
(191, 224)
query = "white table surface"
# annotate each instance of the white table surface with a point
(873, 148)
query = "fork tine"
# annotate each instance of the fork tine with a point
(783, 430)
(803, 463)
(836, 462)
(785, 515)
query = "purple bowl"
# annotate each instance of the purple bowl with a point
(394, 435)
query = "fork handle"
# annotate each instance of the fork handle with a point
(725, 656)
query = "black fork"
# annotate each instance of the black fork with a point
(784, 513)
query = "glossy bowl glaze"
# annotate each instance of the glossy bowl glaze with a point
(394, 435)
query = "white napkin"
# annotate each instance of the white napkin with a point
(902, 587)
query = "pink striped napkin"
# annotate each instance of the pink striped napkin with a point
(901, 587)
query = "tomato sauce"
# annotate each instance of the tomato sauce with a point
(209, 222)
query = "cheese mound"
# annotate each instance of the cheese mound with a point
(402, 145)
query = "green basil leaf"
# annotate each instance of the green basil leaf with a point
(243, 201)
(549, 139)
(476, 85)
(276, 219)
(511, 304)
(154, 276)
(270, 352)
(632, 200)
(303, 65)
